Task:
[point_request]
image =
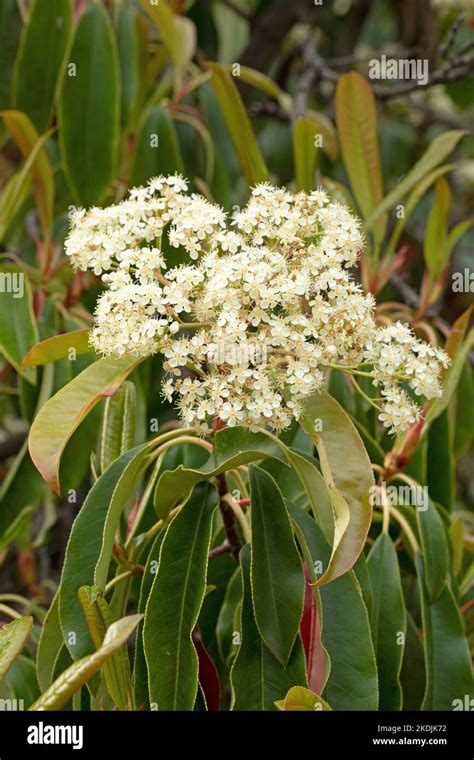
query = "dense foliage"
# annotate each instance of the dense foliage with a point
(236, 390)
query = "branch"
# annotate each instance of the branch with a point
(228, 518)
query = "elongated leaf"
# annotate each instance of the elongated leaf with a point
(158, 149)
(435, 249)
(117, 669)
(16, 189)
(225, 621)
(352, 682)
(327, 131)
(118, 425)
(18, 330)
(61, 415)
(464, 424)
(435, 549)
(388, 620)
(277, 573)
(49, 645)
(447, 658)
(232, 447)
(89, 549)
(174, 603)
(10, 31)
(238, 124)
(258, 679)
(305, 153)
(80, 672)
(39, 66)
(412, 675)
(13, 638)
(89, 109)
(301, 699)
(348, 476)
(451, 379)
(63, 346)
(310, 632)
(440, 461)
(441, 147)
(208, 675)
(26, 137)
(127, 41)
(356, 118)
(169, 29)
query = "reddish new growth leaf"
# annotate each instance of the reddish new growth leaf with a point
(311, 636)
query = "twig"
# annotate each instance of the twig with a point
(228, 517)
(218, 551)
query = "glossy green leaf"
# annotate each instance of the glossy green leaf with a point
(61, 415)
(239, 126)
(277, 572)
(225, 622)
(232, 447)
(435, 550)
(352, 682)
(356, 118)
(117, 433)
(174, 602)
(435, 250)
(258, 679)
(80, 672)
(13, 637)
(63, 346)
(305, 153)
(158, 149)
(300, 699)
(39, 66)
(447, 658)
(90, 544)
(26, 137)
(440, 461)
(388, 620)
(89, 108)
(348, 476)
(412, 675)
(464, 418)
(18, 330)
(438, 150)
(451, 379)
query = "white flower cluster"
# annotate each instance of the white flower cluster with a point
(266, 302)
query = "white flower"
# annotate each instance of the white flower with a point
(270, 297)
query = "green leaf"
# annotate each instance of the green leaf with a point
(39, 66)
(232, 447)
(16, 188)
(158, 149)
(174, 602)
(225, 621)
(26, 137)
(49, 645)
(440, 462)
(258, 679)
(117, 434)
(352, 680)
(127, 42)
(277, 572)
(89, 109)
(348, 476)
(435, 549)
(305, 154)
(64, 346)
(447, 658)
(10, 32)
(455, 235)
(299, 698)
(356, 119)
(388, 620)
(80, 672)
(464, 423)
(413, 669)
(239, 126)
(62, 414)
(441, 147)
(13, 637)
(18, 330)
(117, 672)
(175, 38)
(90, 544)
(435, 250)
(451, 379)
